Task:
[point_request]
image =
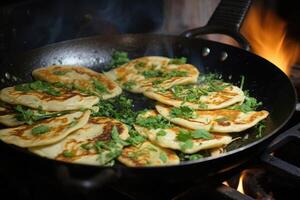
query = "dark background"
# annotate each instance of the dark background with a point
(28, 24)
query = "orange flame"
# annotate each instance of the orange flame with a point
(240, 187)
(267, 35)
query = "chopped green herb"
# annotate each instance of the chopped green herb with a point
(175, 73)
(135, 138)
(40, 130)
(59, 72)
(129, 85)
(163, 157)
(120, 108)
(186, 145)
(242, 82)
(68, 154)
(184, 157)
(73, 123)
(250, 104)
(193, 93)
(29, 116)
(99, 87)
(202, 105)
(185, 135)
(118, 58)
(222, 119)
(259, 129)
(154, 122)
(161, 133)
(140, 65)
(178, 61)
(201, 134)
(87, 146)
(38, 86)
(195, 156)
(116, 138)
(23, 87)
(183, 111)
(152, 73)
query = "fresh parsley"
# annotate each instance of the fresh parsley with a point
(120, 108)
(129, 85)
(186, 144)
(38, 86)
(184, 157)
(259, 128)
(118, 58)
(41, 129)
(152, 73)
(68, 154)
(59, 72)
(177, 61)
(100, 88)
(185, 135)
(183, 111)
(250, 104)
(154, 122)
(30, 116)
(135, 138)
(161, 133)
(140, 65)
(163, 157)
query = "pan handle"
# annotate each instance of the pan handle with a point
(226, 19)
(105, 176)
(276, 163)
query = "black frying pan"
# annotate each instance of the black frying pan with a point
(263, 80)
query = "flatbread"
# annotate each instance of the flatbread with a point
(132, 74)
(147, 154)
(224, 120)
(47, 131)
(82, 77)
(213, 100)
(97, 129)
(7, 116)
(67, 100)
(169, 140)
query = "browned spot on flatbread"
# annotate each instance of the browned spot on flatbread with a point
(139, 161)
(108, 125)
(19, 131)
(74, 147)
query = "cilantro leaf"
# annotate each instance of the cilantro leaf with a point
(59, 72)
(99, 87)
(154, 122)
(38, 86)
(186, 145)
(135, 138)
(163, 157)
(201, 134)
(68, 154)
(183, 111)
(118, 58)
(161, 133)
(177, 61)
(40, 130)
(129, 85)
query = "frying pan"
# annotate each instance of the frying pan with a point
(263, 80)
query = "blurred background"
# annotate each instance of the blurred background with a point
(271, 26)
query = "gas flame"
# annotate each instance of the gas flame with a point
(240, 186)
(267, 35)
